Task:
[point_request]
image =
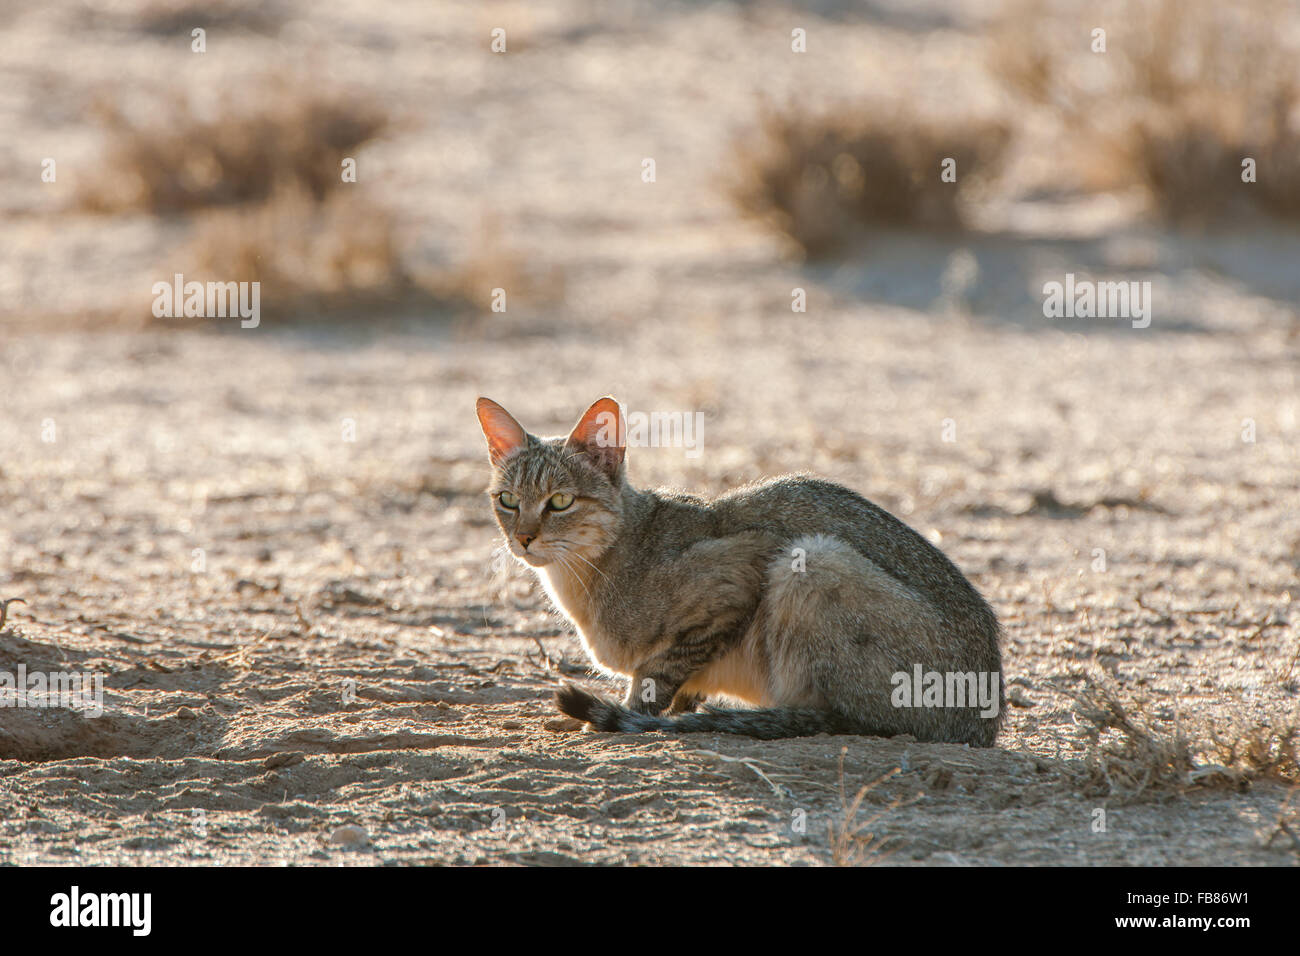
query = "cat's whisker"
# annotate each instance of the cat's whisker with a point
(562, 558)
(590, 565)
(569, 548)
(613, 595)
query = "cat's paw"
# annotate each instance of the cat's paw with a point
(686, 703)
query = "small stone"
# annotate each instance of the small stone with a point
(563, 725)
(511, 725)
(1018, 698)
(186, 713)
(350, 835)
(283, 759)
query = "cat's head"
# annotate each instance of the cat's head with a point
(558, 500)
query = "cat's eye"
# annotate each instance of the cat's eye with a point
(559, 501)
(509, 500)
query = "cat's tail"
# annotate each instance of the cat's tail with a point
(766, 724)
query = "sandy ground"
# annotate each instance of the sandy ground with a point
(300, 632)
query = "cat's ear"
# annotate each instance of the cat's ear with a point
(601, 434)
(504, 435)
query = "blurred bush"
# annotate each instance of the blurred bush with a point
(1183, 93)
(822, 178)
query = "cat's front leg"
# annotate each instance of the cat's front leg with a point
(685, 702)
(656, 682)
(651, 693)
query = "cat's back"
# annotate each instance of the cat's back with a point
(791, 506)
(801, 503)
(795, 505)
(786, 506)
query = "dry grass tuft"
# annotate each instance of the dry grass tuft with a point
(852, 842)
(1129, 752)
(337, 257)
(283, 133)
(309, 257)
(1286, 831)
(1132, 754)
(822, 179)
(1184, 92)
(259, 182)
(1260, 751)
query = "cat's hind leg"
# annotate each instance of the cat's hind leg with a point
(839, 630)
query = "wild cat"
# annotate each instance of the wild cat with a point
(793, 595)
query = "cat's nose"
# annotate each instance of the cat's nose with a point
(526, 539)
